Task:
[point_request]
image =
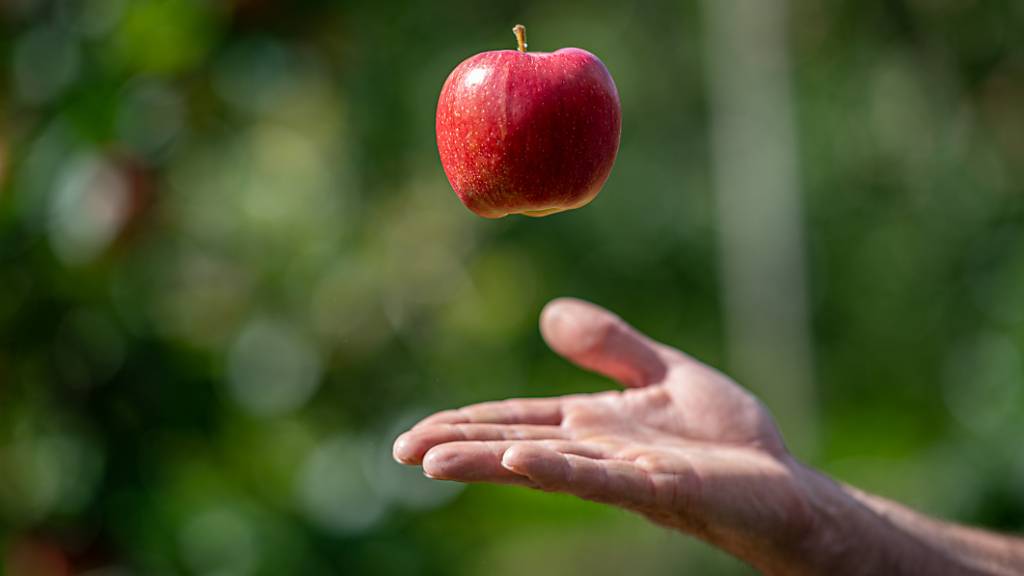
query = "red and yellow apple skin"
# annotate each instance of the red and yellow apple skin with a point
(529, 133)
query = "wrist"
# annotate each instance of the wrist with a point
(843, 535)
(809, 525)
(825, 530)
(853, 533)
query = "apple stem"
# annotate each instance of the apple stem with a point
(520, 31)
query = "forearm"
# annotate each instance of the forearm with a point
(974, 551)
(859, 533)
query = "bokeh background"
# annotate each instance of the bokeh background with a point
(232, 270)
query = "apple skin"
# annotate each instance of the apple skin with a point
(529, 133)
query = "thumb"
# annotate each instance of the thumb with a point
(598, 340)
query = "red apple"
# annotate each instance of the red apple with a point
(528, 132)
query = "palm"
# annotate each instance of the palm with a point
(691, 404)
(655, 448)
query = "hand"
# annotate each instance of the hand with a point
(683, 445)
(689, 449)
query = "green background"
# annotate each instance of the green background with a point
(232, 270)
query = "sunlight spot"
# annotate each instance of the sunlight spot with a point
(88, 208)
(476, 77)
(335, 487)
(272, 370)
(219, 542)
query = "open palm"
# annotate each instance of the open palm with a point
(683, 444)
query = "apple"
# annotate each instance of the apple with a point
(529, 133)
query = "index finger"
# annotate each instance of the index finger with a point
(547, 411)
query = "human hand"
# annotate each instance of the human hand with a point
(688, 448)
(683, 445)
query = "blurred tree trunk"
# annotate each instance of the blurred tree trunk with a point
(760, 224)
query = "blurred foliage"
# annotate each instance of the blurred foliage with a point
(231, 271)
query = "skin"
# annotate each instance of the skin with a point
(686, 447)
(528, 132)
